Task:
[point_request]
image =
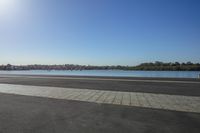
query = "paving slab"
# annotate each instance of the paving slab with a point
(146, 100)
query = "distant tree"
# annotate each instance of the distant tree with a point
(177, 63)
(189, 63)
(158, 63)
(8, 67)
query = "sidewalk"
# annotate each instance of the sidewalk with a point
(147, 100)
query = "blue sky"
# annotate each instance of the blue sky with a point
(99, 32)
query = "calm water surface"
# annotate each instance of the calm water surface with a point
(176, 74)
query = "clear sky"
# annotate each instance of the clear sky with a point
(99, 32)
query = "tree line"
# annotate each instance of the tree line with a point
(151, 66)
(175, 66)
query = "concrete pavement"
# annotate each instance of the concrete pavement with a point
(78, 105)
(148, 100)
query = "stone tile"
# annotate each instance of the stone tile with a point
(134, 100)
(96, 96)
(110, 99)
(126, 99)
(142, 100)
(118, 98)
(150, 100)
(102, 98)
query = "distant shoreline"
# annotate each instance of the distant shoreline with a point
(100, 70)
(156, 66)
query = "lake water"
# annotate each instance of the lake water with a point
(121, 73)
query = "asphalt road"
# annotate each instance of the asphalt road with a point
(188, 87)
(27, 114)
(22, 114)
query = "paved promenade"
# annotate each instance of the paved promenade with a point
(75, 104)
(148, 100)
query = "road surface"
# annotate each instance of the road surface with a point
(59, 104)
